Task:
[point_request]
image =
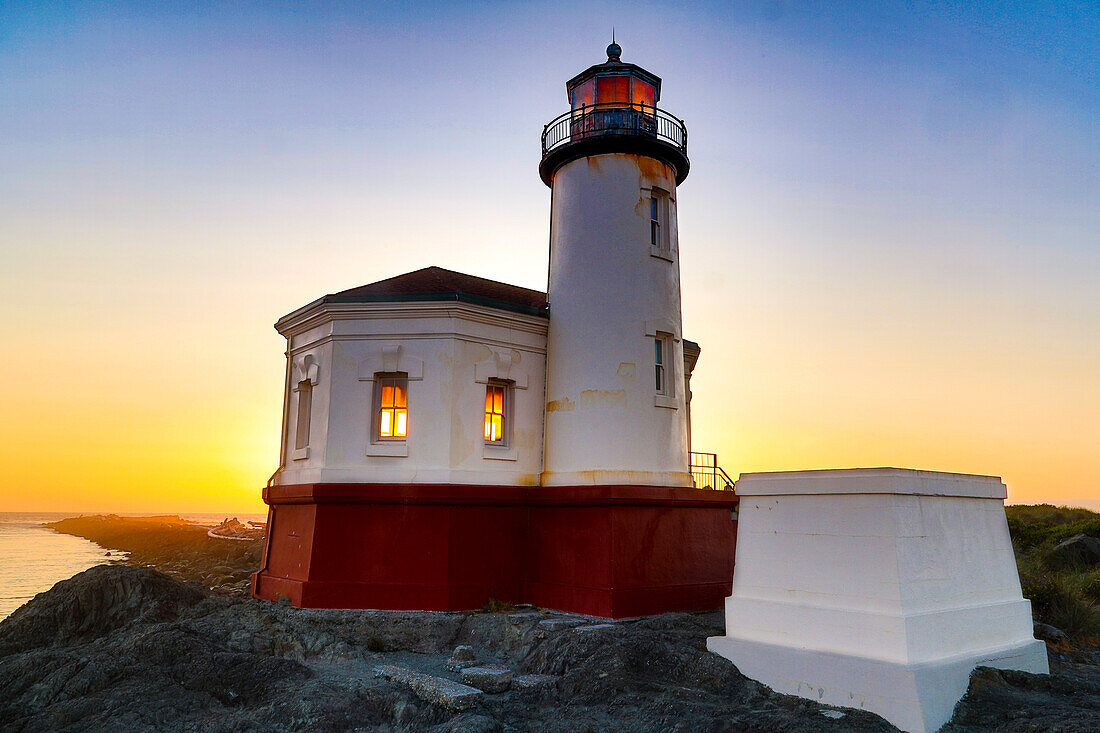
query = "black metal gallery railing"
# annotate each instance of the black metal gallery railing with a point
(707, 474)
(614, 119)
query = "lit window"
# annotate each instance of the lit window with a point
(391, 397)
(496, 401)
(660, 361)
(305, 407)
(658, 221)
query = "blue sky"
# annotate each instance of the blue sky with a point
(890, 234)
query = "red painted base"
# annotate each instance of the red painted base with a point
(611, 551)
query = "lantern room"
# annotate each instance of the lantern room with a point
(613, 109)
(614, 84)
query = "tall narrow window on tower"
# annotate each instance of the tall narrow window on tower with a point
(660, 357)
(658, 224)
(391, 409)
(654, 221)
(305, 407)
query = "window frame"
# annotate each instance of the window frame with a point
(507, 413)
(660, 228)
(661, 349)
(380, 379)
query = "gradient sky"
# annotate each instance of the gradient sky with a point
(890, 238)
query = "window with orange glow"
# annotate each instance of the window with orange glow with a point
(393, 413)
(583, 94)
(642, 94)
(496, 396)
(613, 90)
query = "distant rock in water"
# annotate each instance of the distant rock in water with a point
(94, 603)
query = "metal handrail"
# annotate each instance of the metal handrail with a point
(595, 120)
(707, 474)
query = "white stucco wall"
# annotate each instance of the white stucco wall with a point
(449, 350)
(608, 297)
(876, 588)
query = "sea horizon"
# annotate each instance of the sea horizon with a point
(34, 558)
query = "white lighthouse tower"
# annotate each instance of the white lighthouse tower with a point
(616, 400)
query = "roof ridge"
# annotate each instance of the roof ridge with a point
(439, 283)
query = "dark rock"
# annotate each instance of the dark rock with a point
(488, 679)
(160, 655)
(463, 656)
(1067, 701)
(1078, 551)
(1046, 632)
(528, 681)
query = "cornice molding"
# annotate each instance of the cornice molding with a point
(319, 313)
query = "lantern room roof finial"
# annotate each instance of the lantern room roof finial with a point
(614, 51)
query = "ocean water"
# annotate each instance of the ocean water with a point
(33, 558)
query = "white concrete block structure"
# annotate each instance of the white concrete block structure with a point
(879, 589)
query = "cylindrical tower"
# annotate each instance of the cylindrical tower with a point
(616, 409)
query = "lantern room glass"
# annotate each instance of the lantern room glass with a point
(614, 90)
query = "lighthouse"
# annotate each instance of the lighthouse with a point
(448, 439)
(616, 409)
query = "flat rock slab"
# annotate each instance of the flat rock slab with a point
(593, 627)
(488, 679)
(522, 616)
(559, 624)
(448, 694)
(528, 681)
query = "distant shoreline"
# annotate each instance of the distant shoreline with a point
(173, 545)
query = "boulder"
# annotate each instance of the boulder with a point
(463, 656)
(1046, 632)
(1079, 550)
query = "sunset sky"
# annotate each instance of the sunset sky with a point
(890, 237)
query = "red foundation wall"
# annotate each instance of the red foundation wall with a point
(606, 551)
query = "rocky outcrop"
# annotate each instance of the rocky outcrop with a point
(93, 603)
(121, 648)
(1006, 700)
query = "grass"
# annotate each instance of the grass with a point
(495, 606)
(1067, 598)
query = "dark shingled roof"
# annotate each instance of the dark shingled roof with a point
(437, 284)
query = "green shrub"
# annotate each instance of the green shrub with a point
(1075, 616)
(1059, 600)
(495, 606)
(1090, 586)
(1043, 591)
(1030, 528)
